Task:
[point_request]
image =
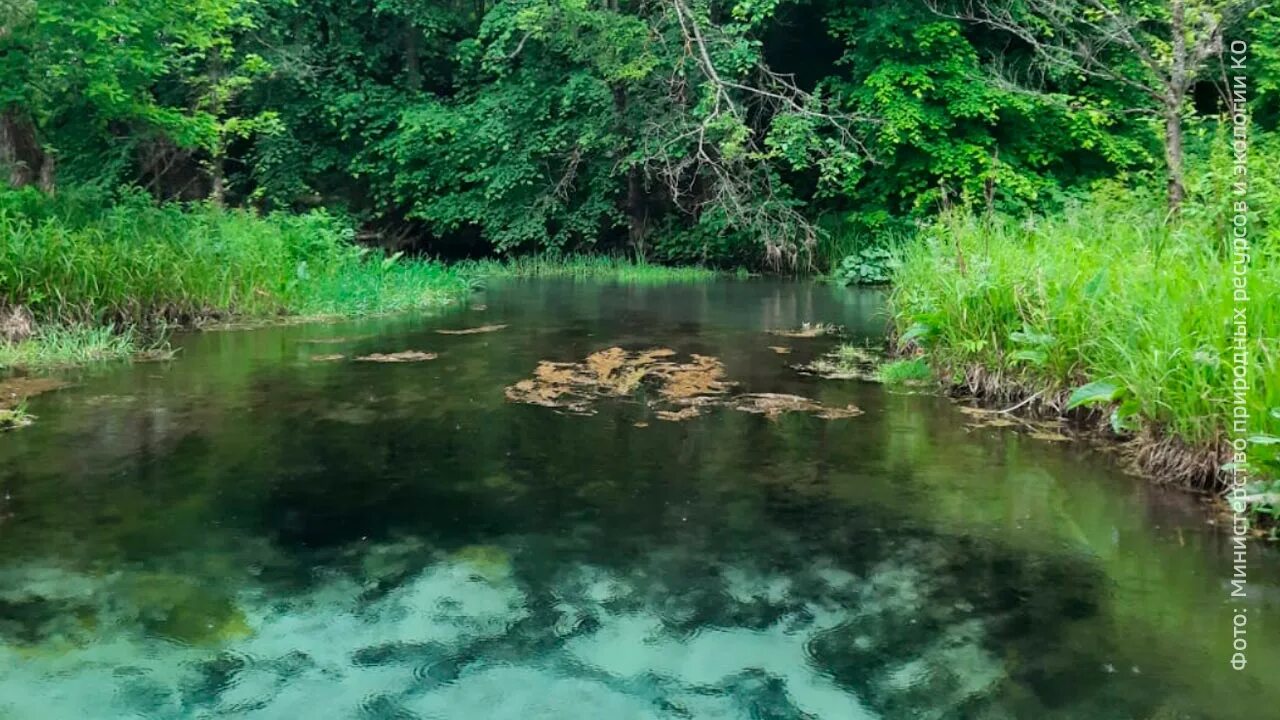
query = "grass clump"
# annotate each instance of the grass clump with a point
(79, 263)
(57, 345)
(586, 267)
(912, 371)
(1110, 292)
(15, 417)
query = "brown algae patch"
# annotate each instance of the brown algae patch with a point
(403, 356)
(847, 362)
(774, 405)
(615, 372)
(474, 330)
(678, 415)
(680, 390)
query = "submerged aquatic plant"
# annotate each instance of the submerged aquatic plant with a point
(682, 389)
(616, 372)
(846, 362)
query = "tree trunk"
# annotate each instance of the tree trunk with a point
(20, 152)
(1178, 85)
(637, 216)
(217, 180)
(1173, 155)
(411, 63)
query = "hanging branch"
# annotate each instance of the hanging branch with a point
(685, 148)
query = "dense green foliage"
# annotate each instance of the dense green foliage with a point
(748, 133)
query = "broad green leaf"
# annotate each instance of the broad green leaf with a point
(1094, 393)
(1095, 284)
(1026, 336)
(1035, 357)
(916, 331)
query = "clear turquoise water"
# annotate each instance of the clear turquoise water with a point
(248, 533)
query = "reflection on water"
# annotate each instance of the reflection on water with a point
(249, 533)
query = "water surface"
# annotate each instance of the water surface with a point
(248, 532)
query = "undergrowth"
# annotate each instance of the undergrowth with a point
(1111, 299)
(586, 267)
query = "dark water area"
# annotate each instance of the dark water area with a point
(252, 532)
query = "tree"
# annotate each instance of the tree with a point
(73, 72)
(573, 119)
(20, 151)
(1159, 49)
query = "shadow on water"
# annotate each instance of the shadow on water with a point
(263, 529)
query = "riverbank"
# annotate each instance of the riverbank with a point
(83, 280)
(86, 281)
(1111, 315)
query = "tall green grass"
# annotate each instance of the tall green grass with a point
(82, 261)
(136, 263)
(586, 267)
(57, 345)
(1110, 290)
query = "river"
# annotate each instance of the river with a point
(267, 527)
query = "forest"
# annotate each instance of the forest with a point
(781, 134)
